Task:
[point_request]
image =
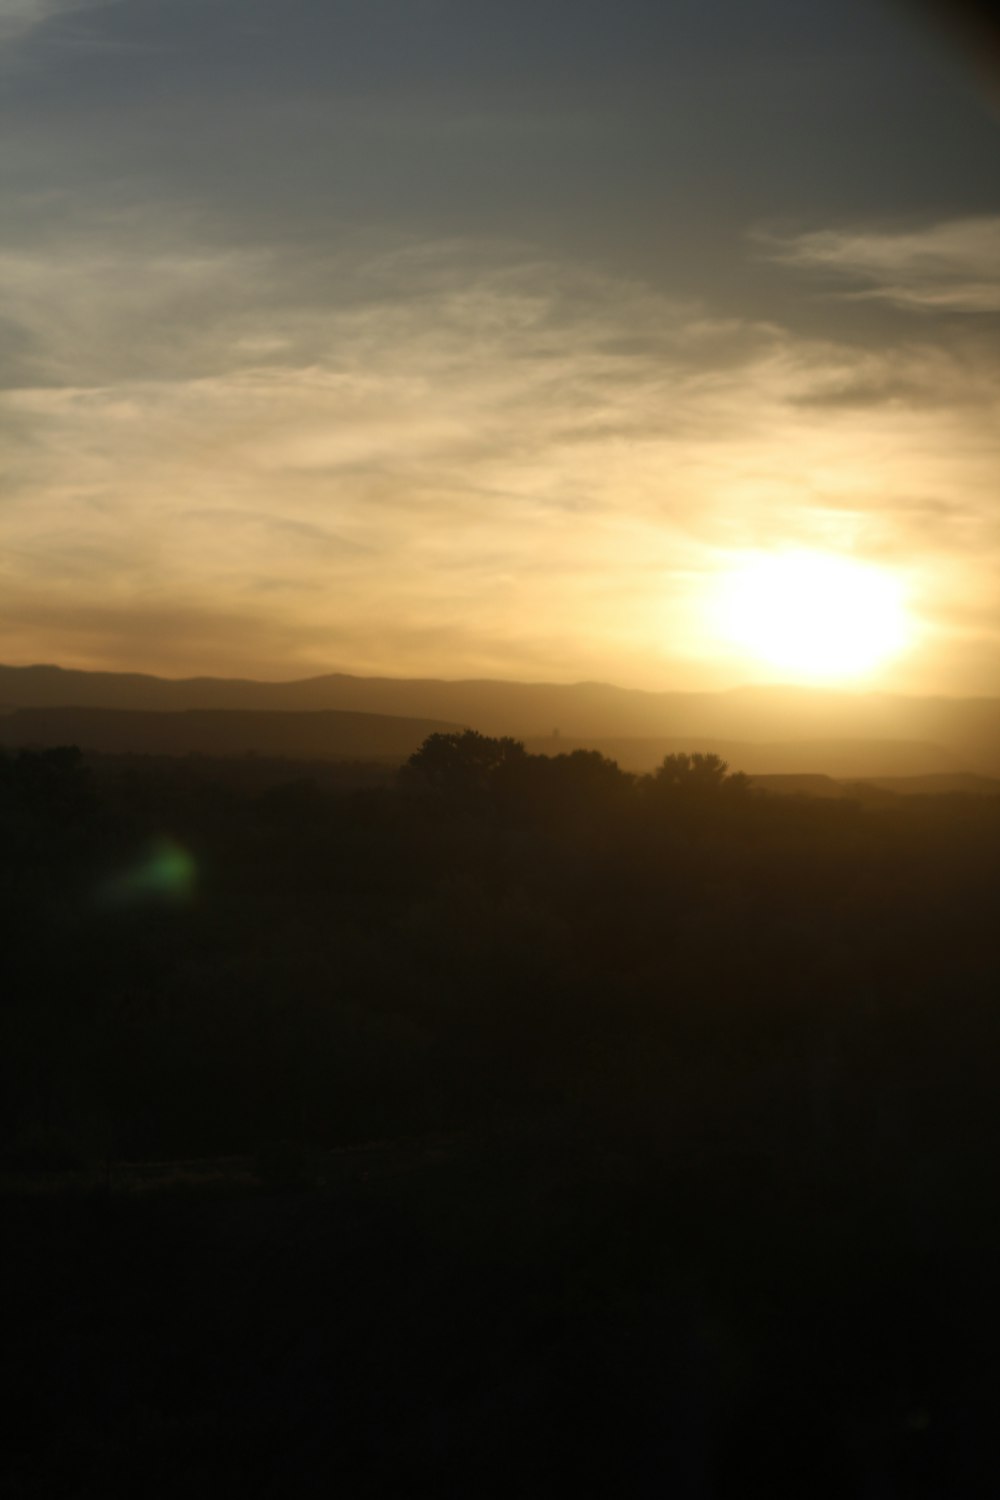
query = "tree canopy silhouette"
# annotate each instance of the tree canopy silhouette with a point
(460, 764)
(698, 775)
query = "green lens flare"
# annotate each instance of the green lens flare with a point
(168, 873)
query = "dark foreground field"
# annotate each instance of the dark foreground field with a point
(520, 1314)
(518, 1130)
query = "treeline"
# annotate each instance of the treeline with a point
(470, 772)
(687, 1103)
(193, 966)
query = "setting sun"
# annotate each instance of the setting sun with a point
(815, 616)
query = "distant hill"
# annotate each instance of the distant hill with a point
(221, 732)
(803, 786)
(915, 736)
(802, 758)
(879, 788)
(939, 786)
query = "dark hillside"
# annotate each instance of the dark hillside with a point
(795, 757)
(951, 734)
(520, 1124)
(220, 732)
(943, 785)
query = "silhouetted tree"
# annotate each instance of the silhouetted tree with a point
(54, 785)
(552, 789)
(696, 775)
(460, 765)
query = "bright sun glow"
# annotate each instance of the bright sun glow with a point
(814, 617)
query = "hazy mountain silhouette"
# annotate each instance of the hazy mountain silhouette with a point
(936, 786)
(801, 758)
(825, 787)
(221, 732)
(840, 733)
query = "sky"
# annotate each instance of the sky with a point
(485, 338)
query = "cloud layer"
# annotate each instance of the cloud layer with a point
(458, 457)
(20, 17)
(948, 267)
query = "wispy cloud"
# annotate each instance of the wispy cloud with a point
(453, 457)
(949, 267)
(19, 17)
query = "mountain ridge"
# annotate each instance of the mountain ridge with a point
(964, 732)
(324, 733)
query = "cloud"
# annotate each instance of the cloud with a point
(20, 17)
(104, 310)
(157, 631)
(949, 267)
(452, 457)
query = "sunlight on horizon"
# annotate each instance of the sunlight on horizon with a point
(819, 617)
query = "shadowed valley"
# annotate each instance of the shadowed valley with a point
(408, 1129)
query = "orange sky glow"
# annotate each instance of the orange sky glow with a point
(559, 428)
